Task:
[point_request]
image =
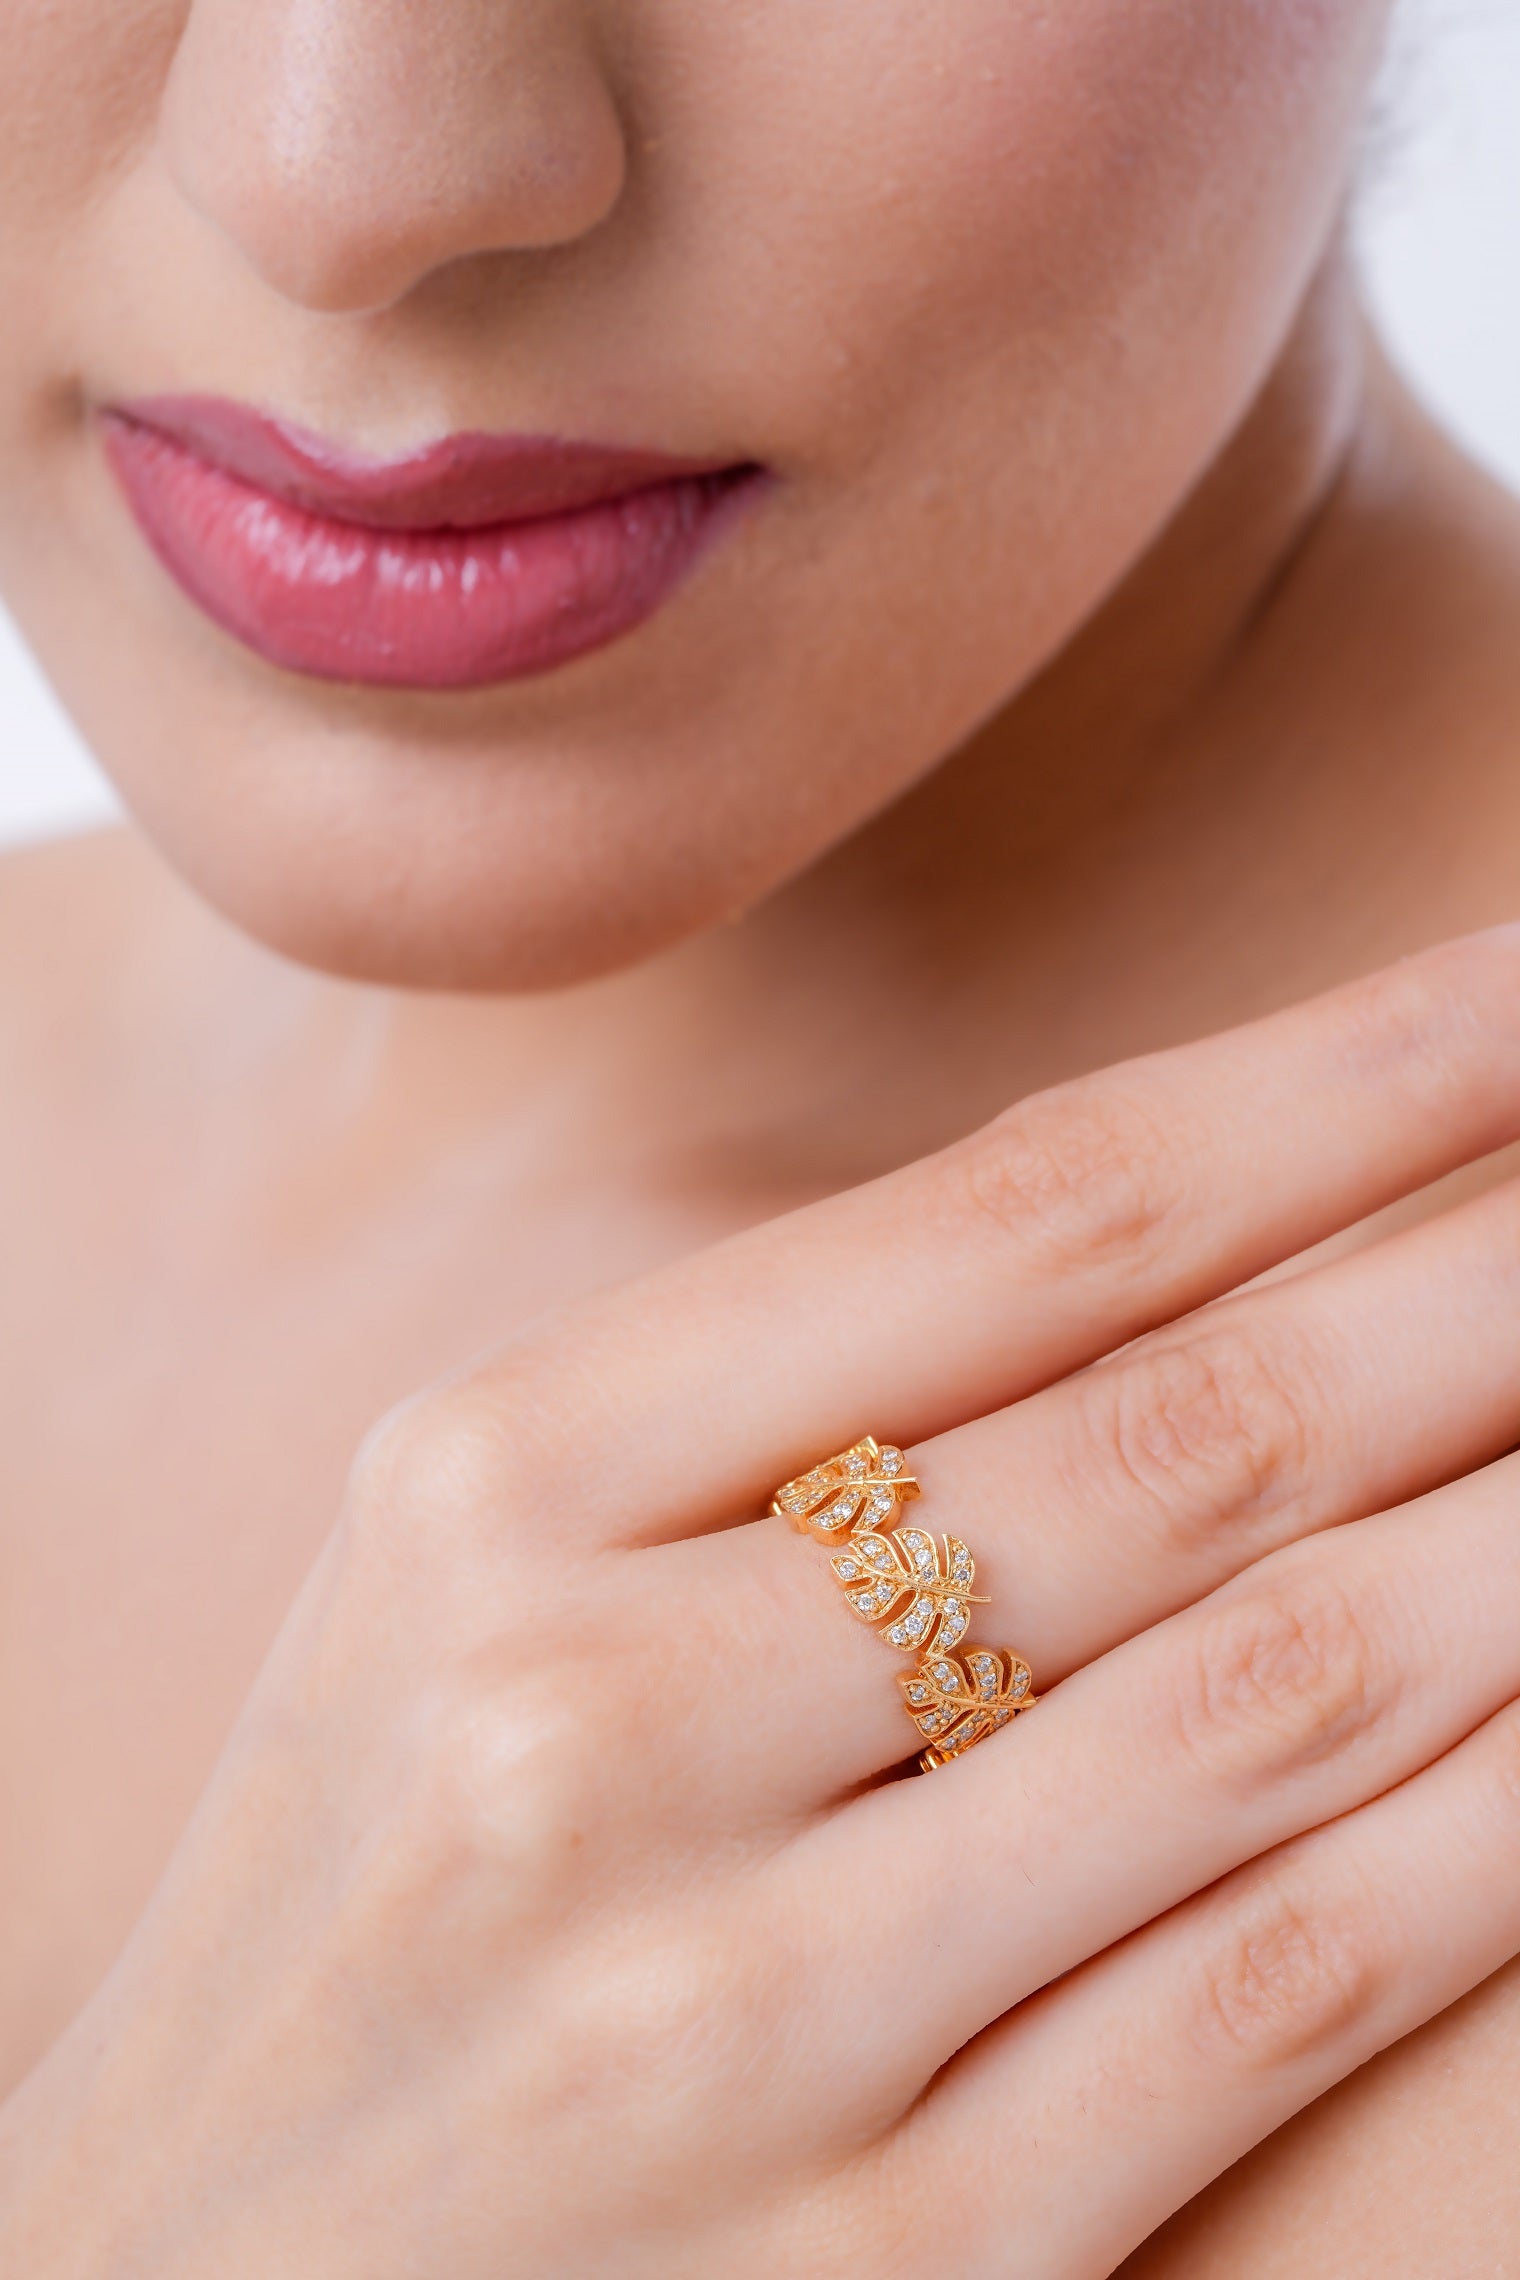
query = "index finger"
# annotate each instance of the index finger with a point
(1076, 1221)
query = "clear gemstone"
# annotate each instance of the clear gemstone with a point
(864, 1600)
(918, 1693)
(855, 1464)
(849, 1569)
(1021, 1683)
(891, 1462)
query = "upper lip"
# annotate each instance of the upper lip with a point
(465, 481)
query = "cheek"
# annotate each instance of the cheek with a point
(1001, 278)
(79, 92)
(1064, 186)
(79, 89)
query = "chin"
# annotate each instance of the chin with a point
(401, 928)
(469, 905)
(484, 844)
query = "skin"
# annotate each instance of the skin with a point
(1221, 638)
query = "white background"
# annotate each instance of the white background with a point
(1441, 228)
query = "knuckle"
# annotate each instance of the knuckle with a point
(1417, 1023)
(1085, 1174)
(1205, 1430)
(476, 1842)
(519, 1780)
(673, 2027)
(1279, 1678)
(478, 1451)
(511, 1772)
(1289, 1978)
(428, 1453)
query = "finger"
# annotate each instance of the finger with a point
(1328, 1673)
(1079, 2124)
(1082, 1218)
(1128, 1491)
(1108, 1502)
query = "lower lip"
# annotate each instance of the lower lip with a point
(444, 609)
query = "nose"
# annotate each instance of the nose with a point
(349, 148)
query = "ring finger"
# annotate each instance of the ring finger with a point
(1107, 1502)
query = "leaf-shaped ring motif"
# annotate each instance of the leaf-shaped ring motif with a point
(916, 1593)
(956, 1701)
(861, 1487)
(915, 1590)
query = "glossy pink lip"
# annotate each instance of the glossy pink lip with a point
(479, 559)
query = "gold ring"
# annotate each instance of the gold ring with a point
(915, 1590)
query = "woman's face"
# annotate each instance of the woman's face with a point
(978, 286)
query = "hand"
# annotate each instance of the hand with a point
(549, 1912)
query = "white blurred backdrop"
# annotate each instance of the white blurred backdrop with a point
(1441, 239)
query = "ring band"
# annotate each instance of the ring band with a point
(915, 1592)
